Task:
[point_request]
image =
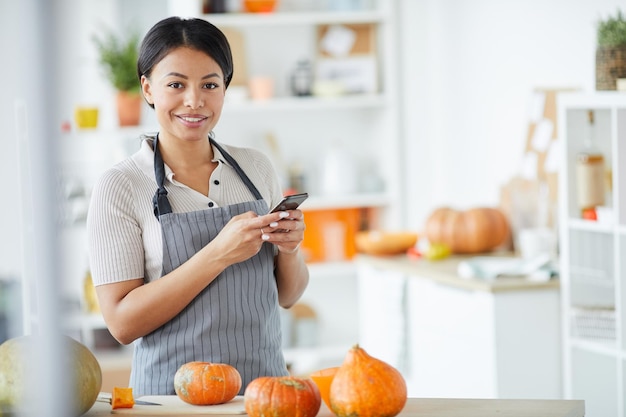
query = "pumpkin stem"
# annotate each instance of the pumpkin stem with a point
(292, 383)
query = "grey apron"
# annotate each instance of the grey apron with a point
(234, 320)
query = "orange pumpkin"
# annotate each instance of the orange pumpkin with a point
(472, 231)
(365, 386)
(205, 383)
(274, 396)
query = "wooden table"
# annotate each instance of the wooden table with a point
(441, 407)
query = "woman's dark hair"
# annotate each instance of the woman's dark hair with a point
(175, 32)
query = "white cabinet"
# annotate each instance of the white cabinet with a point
(461, 338)
(592, 254)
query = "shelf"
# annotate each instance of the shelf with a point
(295, 18)
(332, 202)
(592, 253)
(603, 348)
(598, 279)
(597, 100)
(356, 101)
(110, 132)
(589, 226)
(331, 269)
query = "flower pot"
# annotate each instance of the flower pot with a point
(129, 108)
(610, 66)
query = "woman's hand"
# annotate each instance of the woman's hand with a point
(244, 234)
(292, 274)
(288, 232)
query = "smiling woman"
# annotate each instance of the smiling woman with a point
(197, 271)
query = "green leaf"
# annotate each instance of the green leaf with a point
(612, 31)
(118, 58)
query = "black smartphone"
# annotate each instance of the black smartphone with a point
(290, 202)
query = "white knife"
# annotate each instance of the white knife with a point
(107, 397)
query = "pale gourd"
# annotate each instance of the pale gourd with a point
(81, 382)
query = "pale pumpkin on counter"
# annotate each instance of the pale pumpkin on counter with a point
(476, 230)
(82, 384)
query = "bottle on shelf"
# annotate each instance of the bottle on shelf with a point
(590, 173)
(302, 78)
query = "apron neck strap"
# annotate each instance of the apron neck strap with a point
(159, 201)
(238, 169)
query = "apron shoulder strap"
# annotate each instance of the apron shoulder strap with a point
(238, 169)
(160, 201)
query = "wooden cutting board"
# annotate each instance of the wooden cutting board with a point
(171, 405)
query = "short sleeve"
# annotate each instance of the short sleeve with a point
(114, 236)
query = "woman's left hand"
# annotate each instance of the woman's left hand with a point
(288, 232)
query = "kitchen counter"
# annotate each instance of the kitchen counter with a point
(439, 407)
(445, 272)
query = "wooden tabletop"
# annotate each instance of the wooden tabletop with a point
(442, 407)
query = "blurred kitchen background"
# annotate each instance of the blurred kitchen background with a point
(384, 111)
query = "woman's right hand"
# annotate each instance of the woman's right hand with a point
(240, 239)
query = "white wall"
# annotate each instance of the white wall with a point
(470, 70)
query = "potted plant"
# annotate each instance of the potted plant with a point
(611, 52)
(118, 57)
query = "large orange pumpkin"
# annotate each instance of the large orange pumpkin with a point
(471, 231)
(278, 396)
(206, 383)
(365, 386)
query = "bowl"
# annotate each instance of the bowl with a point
(377, 242)
(259, 6)
(323, 379)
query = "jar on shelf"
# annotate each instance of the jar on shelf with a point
(302, 79)
(590, 171)
(213, 6)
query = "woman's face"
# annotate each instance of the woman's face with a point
(187, 90)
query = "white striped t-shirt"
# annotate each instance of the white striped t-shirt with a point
(124, 236)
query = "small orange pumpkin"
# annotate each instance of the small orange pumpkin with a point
(274, 396)
(205, 383)
(476, 230)
(365, 386)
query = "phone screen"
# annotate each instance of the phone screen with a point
(290, 202)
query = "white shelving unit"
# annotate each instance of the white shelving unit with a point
(593, 274)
